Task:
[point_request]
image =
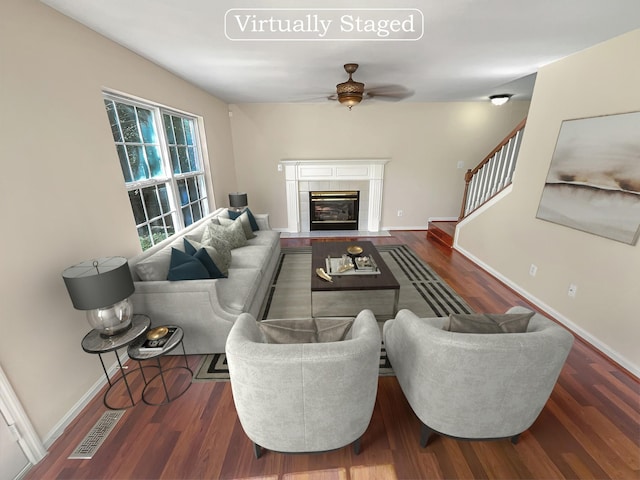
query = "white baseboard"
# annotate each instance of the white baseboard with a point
(579, 331)
(66, 420)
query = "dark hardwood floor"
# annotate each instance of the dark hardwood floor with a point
(590, 428)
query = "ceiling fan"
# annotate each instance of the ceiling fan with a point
(351, 93)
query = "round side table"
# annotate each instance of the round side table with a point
(137, 353)
(95, 343)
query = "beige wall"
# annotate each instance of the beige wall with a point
(424, 141)
(62, 191)
(508, 238)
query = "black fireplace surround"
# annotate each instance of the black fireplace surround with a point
(334, 210)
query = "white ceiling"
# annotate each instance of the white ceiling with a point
(470, 49)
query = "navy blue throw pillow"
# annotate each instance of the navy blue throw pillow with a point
(233, 214)
(185, 267)
(209, 264)
(204, 258)
(188, 248)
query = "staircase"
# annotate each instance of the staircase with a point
(492, 175)
(442, 232)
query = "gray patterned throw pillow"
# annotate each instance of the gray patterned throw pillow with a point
(244, 220)
(219, 235)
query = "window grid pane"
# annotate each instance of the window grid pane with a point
(184, 159)
(113, 120)
(164, 198)
(151, 202)
(196, 211)
(186, 213)
(147, 126)
(124, 163)
(175, 162)
(138, 162)
(138, 208)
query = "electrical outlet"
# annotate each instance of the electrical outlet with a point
(573, 289)
(279, 167)
(400, 213)
(460, 164)
(533, 270)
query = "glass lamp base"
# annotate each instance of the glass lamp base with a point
(111, 320)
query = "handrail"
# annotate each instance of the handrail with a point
(493, 173)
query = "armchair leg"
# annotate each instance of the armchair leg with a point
(425, 434)
(357, 447)
(257, 450)
(515, 439)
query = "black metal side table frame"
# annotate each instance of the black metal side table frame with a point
(95, 343)
(136, 354)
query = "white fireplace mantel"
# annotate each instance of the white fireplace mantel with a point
(371, 170)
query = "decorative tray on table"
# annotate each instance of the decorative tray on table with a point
(346, 265)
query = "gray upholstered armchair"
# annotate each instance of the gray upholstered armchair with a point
(304, 397)
(475, 386)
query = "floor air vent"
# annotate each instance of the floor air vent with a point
(92, 441)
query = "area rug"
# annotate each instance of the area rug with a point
(421, 290)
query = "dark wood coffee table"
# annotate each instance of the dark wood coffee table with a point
(347, 295)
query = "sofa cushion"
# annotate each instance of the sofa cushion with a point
(239, 290)
(268, 238)
(186, 267)
(231, 235)
(252, 220)
(251, 256)
(488, 323)
(244, 220)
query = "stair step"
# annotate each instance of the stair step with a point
(442, 232)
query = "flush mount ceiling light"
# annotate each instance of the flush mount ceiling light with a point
(500, 99)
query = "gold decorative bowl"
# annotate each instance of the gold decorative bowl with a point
(354, 250)
(157, 333)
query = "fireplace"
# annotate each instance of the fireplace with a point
(334, 210)
(365, 175)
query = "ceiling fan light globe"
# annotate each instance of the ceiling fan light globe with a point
(350, 100)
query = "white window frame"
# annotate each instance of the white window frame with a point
(169, 178)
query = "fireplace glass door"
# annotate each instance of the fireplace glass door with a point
(334, 210)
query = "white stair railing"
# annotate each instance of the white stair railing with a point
(493, 174)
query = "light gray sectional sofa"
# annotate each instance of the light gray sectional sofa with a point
(206, 309)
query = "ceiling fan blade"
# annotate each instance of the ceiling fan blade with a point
(389, 92)
(315, 98)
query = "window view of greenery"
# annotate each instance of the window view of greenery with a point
(160, 158)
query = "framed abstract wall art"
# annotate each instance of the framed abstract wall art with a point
(593, 184)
